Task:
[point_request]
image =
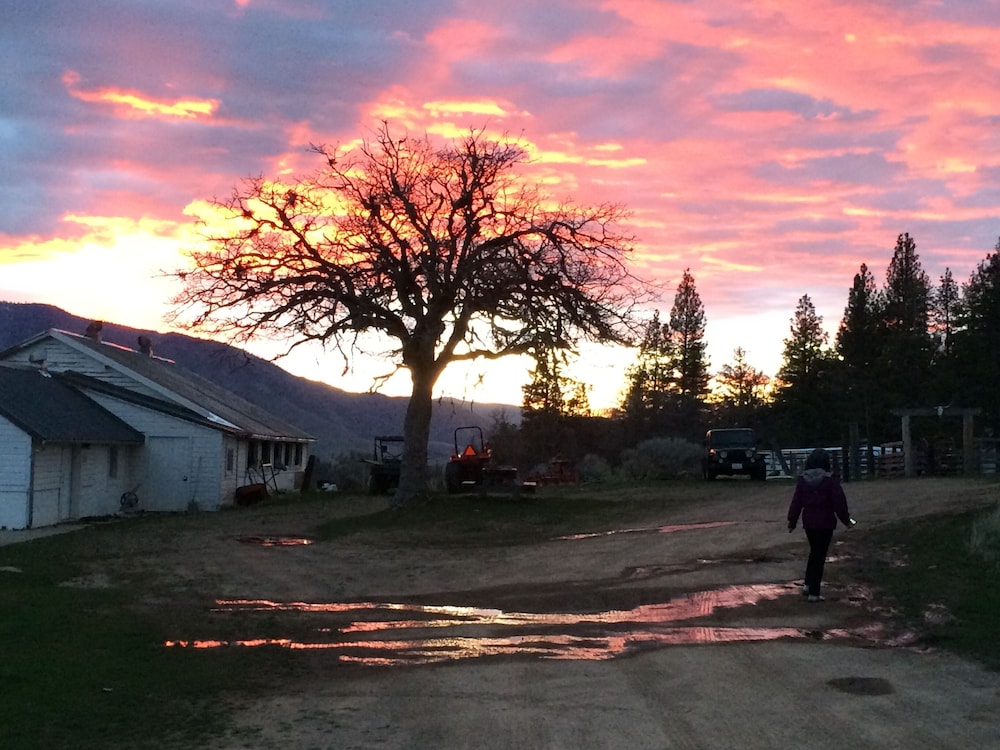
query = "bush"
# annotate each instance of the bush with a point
(661, 458)
(984, 541)
(348, 472)
(593, 468)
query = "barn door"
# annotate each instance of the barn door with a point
(168, 483)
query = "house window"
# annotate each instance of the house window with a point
(113, 462)
(288, 454)
(298, 454)
(230, 460)
(252, 453)
(265, 453)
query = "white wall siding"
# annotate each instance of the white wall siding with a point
(179, 462)
(15, 468)
(59, 358)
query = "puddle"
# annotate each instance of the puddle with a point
(649, 530)
(275, 541)
(390, 634)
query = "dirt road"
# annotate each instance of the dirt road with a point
(686, 632)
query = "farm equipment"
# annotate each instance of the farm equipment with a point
(560, 470)
(383, 472)
(472, 467)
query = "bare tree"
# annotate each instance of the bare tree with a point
(440, 250)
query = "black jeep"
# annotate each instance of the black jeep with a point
(732, 451)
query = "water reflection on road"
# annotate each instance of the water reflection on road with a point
(649, 529)
(384, 633)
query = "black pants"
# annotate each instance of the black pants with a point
(819, 545)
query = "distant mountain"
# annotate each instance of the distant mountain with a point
(340, 421)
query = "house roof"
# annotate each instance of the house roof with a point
(175, 384)
(49, 409)
(89, 383)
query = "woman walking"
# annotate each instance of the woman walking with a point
(819, 498)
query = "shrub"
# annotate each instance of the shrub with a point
(661, 458)
(593, 468)
(984, 541)
(348, 472)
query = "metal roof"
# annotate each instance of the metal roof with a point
(49, 409)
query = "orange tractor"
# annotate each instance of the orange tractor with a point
(472, 467)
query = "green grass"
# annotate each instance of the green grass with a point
(927, 566)
(500, 520)
(82, 668)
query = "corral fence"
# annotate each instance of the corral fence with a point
(888, 460)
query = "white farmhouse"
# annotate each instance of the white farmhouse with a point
(61, 455)
(200, 443)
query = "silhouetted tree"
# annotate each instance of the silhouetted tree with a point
(803, 393)
(648, 381)
(945, 311)
(977, 344)
(859, 345)
(741, 392)
(687, 336)
(687, 356)
(439, 250)
(549, 399)
(906, 352)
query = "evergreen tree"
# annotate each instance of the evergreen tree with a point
(906, 352)
(801, 400)
(550, 398)
(945, 311)
(648, 381)
(742, 393)
(859, 345)
(543, 395)
(803, 354)
(977, 343)
(687, 334)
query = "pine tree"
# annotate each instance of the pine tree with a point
(859, 345)
(977, 342)
(944, 312)
(803, 354)
(905, 317)
(648, 381)
(687, 334)
(858, 339)
(741, 391)
(801, 401)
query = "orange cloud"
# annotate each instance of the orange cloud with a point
(134, 104)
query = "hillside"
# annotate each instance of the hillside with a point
(340, 421)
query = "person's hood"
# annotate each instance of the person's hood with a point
(813, 476)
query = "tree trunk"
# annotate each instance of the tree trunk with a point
(416, 433)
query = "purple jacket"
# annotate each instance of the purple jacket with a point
(821, 501)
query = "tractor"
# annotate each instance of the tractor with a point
(383, 473)
(472, 466)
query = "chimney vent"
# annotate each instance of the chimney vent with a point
(146, 345)
(94, 330)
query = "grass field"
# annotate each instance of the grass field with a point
(941, 584)
(82, 667)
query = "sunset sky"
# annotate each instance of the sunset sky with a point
(770, 147)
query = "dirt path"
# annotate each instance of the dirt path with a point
(688, 632)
